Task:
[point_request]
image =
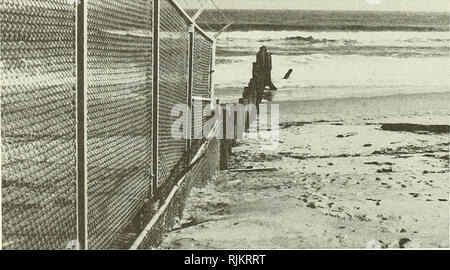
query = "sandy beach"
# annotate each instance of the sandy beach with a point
(343, 182)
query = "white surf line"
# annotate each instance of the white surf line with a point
(169, 198)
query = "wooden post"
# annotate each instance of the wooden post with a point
(224, 122)
(253, 91)
(223, 142)
(261, 78)
(246, 102)
(254, 70)
(81, 132)
(235, 131)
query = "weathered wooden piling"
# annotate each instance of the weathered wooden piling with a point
(252, 95)
(261, 78)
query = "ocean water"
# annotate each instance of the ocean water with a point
(337, 54)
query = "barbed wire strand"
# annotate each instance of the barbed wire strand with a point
(207, 16)
(221, 12)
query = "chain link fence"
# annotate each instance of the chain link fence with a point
(173, 87)
(38, 124)
(119, 114)
(39, 114)
(201, 89)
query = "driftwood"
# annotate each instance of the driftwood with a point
(272, 169)
(416, 127)
(288, 74)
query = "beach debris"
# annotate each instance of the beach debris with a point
(415, 195)
(311, 205)
(377, 202)
(362, 217)
(345, 135)
(301, 157)
(384, 170)
(293, 124)
(416, 128)
(403, 156)
(374, 200)
(192, 222)
(272, 169)
(288, 74)
(300, 38)
(379, 163)
(367, 145)
(403, 241)
(405, 151)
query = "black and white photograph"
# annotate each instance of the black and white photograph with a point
(174, 125)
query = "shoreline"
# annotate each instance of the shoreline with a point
(303, 99)
(342, 182)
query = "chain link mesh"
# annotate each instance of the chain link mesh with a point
(201, 84)
(38, 106)
(119, 115)
(202, 65)
(173, 83)
(37, 64)
(203, 171)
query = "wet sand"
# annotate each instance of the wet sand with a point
(343, 181)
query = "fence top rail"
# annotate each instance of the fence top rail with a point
(191, 21)
(201, 98)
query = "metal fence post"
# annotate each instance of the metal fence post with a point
(1, 180)
(155, 99)
(211, 76)
(190, 89)
(81, 117)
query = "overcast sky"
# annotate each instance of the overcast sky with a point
(392, 5)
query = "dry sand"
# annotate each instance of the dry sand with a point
(343, 182)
